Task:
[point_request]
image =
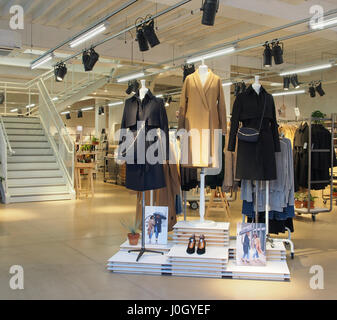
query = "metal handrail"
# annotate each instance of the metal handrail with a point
(11, 151)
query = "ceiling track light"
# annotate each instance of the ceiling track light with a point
(88, 35)
(145, 34)
(288, 93)
(133, 87)
(312, 90)
(286, 83)
(79, 114)
(277, 51)
(267, 56)
(209, 9)
(319, 89)
(294, 81)
(307, 69)
(42, 61)
(101, 111)
(89, 59)
(131, 77)
(68, 117)
(60, 72)
(210, 55)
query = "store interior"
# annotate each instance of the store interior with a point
(70, 80)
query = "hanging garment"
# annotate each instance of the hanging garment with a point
(230, 183)
(202, 107)
(255, 161)
(151, 111)
(216, 180)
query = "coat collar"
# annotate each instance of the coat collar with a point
(250, 89)
(203, 89)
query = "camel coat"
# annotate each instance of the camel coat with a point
(202, 107)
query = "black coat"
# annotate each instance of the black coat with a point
(255, 161)
(145, 176)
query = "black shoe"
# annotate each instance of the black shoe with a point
(191, 245)
(201, 245)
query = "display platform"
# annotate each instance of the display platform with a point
(217, 262)
(216, 234)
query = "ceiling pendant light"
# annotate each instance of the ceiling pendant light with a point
(277, 52)
(117, 103)
(150, 34)
(88, 35)
(209, 9)
(286, 83)
(319, 89)
(276, 94)
(87, 108)
(131, 77)
(294, 81)
(60, 72)
(267, 56)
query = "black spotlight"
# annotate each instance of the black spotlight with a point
(68, 117)
(294, 81)
(320, 90)
(101, 111)
(60, 72)
(267, 55)
(277, 52)
(2, 98)
(149, 33)
(286, 83)
(140, 37)
(188, 69)
(312, 91)
(209, 8)
(89, 59)
(133, 86)
(80, 114)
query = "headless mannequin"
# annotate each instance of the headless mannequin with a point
(203, 73)
(256, 85)
(143, 90)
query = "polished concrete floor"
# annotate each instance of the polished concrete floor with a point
(63, 248)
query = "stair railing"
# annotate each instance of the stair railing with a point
(57, 133)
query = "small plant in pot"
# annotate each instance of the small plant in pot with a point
(133, 234)
(334, 192)
(298, 200)
(95, 141)
(312, 202)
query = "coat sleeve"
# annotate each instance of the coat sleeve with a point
(183, 106)
(274, 129)
(234, 124)
(165, 128)
(222, 109)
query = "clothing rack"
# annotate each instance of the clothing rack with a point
(315, 211)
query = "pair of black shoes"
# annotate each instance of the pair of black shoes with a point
(201, 245)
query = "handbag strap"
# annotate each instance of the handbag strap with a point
(264, 110)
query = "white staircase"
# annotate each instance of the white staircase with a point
(34, 171)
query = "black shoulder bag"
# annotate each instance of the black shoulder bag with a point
(250, 134)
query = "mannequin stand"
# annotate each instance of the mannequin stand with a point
(143, 250)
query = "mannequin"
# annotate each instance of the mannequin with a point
(256, 85)
(203, 72)
(143, 90)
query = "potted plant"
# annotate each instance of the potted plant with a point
(95, 141)
(312, 202)
(298, 200)
(334, 192)
(133, 234)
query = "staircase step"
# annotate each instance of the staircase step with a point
(30, 145)
(34, 174)
(32, 166)
(31, 159)
(28, 132)
(35, 182)
(32, 152)
(37, 191)
(21, 119)
(22, 138)
(54, 197)
(23, 125)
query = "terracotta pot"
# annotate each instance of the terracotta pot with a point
(298, 204)
(95, 143)
(312, 204)
(334, 194)
(133, 238)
